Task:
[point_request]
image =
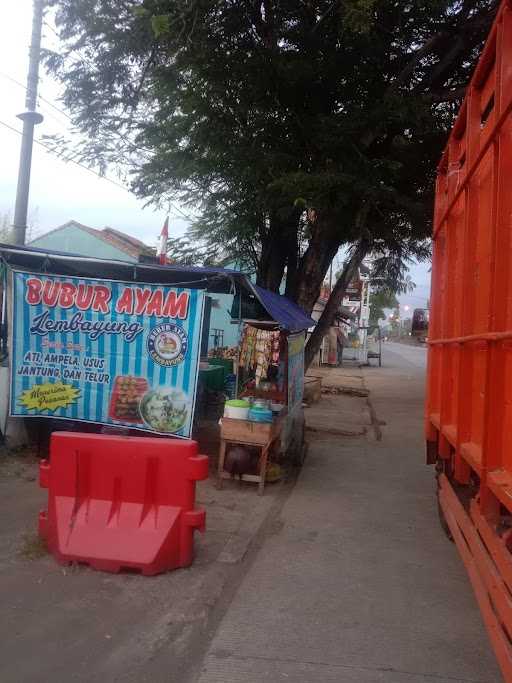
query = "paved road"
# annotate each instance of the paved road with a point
(357, 583)
(395, 354)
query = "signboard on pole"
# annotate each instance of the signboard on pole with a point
(107, 352)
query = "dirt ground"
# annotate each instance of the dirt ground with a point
(72, 623)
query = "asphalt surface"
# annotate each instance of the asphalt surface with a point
(356, 582)
(397, 355)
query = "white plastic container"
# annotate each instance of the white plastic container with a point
(236, 409)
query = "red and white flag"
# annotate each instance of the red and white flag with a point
(162, 247)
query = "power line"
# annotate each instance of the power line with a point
(85, 168)
(40, 97)
(22, 85)
(47, 113)
(73, 161)
(176, 208)
(47, 147)
(14, 80)
(92, 66)
(45, 23)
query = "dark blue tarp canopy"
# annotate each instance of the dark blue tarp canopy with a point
(286, 314)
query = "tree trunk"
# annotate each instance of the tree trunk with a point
(272, 263)
(322, 248)
(270, 266)
(292, 262)
(333, 304)
(279, 250)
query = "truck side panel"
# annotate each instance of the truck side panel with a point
(468, 418)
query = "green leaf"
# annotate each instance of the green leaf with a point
(247, 118)
(140, 11)
(160, 24)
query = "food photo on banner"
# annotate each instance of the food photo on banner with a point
(104, 351)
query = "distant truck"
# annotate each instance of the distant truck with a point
(468, 417)
(419, 325)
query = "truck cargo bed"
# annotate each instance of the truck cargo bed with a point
(469, 383)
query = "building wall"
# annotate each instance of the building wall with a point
(220, 319)
(74, 240)
(221, 315)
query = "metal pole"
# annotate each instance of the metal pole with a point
(240, 328)
(30, 118)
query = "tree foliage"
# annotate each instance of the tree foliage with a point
(380, 300)
(6, 235)
(395, 321)
(293, 127)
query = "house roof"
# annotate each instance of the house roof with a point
(125, 242)
(343, 312)
(120, 240)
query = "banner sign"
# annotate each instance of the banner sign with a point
(107, 352)
(295, 370)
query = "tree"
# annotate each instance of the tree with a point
(395, 321)
(293, 127)
(6, 226)
(379, 300)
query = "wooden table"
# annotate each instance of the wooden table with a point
(247, 433)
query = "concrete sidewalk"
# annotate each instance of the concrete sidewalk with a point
(355, 582)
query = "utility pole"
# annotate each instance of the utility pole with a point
(30, 118)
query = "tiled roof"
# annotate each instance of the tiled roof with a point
(120, 240)
(125, 242)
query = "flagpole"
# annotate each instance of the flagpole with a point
(164, 237)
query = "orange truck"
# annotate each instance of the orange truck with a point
(468, 417)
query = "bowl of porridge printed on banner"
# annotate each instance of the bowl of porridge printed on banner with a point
(164, 410)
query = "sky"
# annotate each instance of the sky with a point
(62, 191)
(418, 298)
(59, 191)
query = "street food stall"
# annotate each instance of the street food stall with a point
(110, 344)
(269, 417)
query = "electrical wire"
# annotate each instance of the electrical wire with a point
(171, 206)
(92, 66)
(43, 99)
(73, 161)
(48, 148)
(85, 168)
(39, 142)
(47, 113)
